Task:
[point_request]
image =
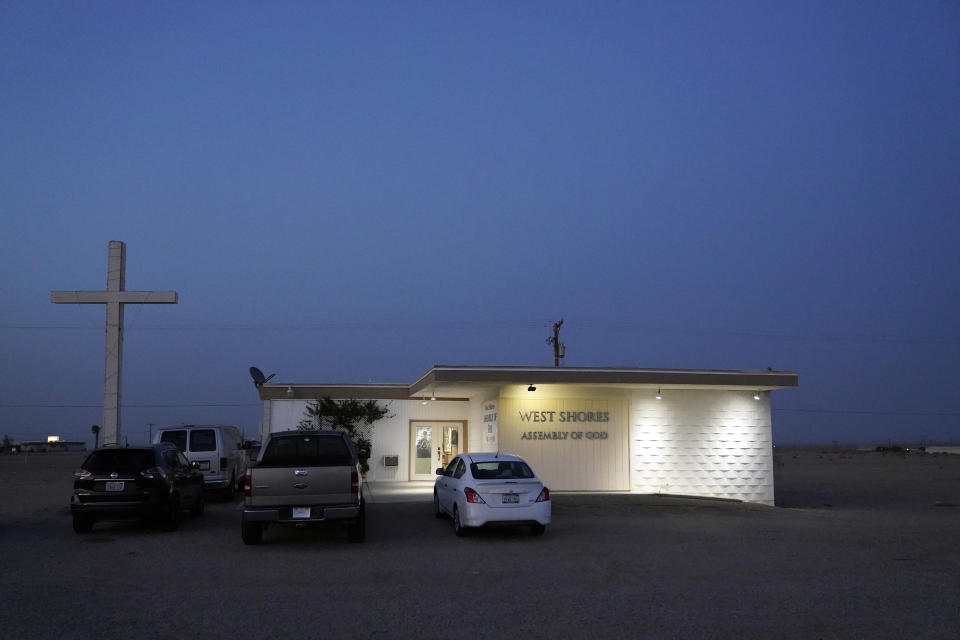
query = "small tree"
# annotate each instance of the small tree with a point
(7, 444)
(356, 417)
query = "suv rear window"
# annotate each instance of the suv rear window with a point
(203, 440)
(178, 438)
(121, 461)
(306, 451)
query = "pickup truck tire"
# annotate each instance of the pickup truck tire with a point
(357, 530)
(251, 532)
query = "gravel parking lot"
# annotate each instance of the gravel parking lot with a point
(863, 545)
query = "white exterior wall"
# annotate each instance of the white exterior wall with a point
(711, 443)
(391, 435)
(702, 443)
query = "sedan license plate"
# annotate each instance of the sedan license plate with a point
(301, 512)
(114, 486)
(511, 498)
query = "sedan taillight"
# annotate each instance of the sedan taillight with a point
(473, 496)
(247, 484)
(544, 495)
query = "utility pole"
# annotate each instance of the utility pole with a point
(150, 432)
(559, 349)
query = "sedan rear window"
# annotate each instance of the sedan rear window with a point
(203, 440)
(500, 470)
(306, 451)
(121, 461)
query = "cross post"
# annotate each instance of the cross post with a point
(115, 297)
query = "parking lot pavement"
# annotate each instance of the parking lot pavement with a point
(388, 492)
(609, 565)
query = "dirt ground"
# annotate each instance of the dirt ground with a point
(818, 478)
(861, 545)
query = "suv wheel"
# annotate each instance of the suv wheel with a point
(198, 505)
(251, 532)
(82, 523)
(172, 518)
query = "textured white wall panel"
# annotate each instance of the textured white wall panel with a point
(702, 443)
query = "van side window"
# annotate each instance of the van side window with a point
(178, 438)
(203, 440)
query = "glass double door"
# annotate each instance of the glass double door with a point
(433, 444)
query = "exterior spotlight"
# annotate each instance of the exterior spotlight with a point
(531, 388)
(756, 396)
(659, 396)
(424, 401)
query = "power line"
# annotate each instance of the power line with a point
(874, 413)
(472, 326)
(129, 405)
(250, 404)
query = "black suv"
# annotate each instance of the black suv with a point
(156, 481)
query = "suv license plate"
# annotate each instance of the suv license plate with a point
(511, 498)
(301, 512)
(114, 486)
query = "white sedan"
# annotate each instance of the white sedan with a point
(478, 489)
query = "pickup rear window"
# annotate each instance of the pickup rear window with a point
(306, 451)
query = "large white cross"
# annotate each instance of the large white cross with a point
(115, 297)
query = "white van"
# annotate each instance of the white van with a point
(217, 447)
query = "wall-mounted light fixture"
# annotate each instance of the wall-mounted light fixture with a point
(289, 392)
(531, 388)
(756, 396)
(659, 395)
(424, 400)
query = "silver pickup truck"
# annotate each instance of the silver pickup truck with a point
(304, 478)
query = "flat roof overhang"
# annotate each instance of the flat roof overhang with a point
(459, 383)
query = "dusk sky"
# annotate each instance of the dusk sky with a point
(357, 191)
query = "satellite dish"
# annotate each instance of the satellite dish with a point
(258, 379)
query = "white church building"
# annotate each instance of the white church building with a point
(654, 431)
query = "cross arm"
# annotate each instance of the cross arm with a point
(106, 297)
